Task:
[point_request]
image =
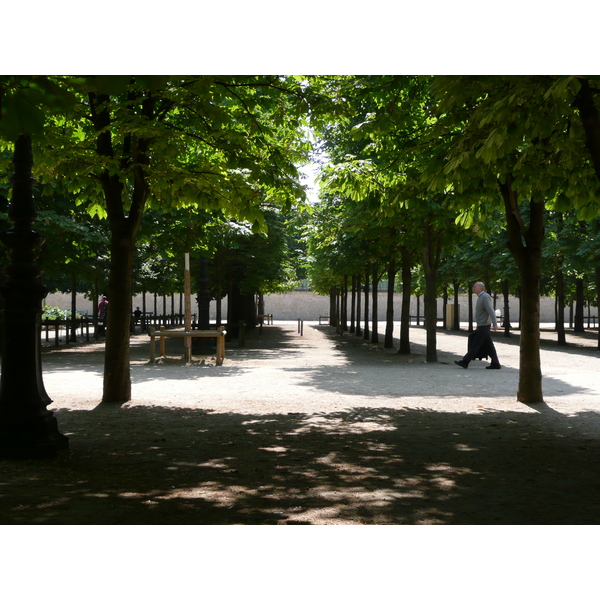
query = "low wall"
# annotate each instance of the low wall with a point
(309, 306)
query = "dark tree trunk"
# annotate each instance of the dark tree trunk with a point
(27, 428)
(506, 308)
(597, 271)
(250, 312)
(375, 317)
(338, 310)
(445, 308)
(241, 308)
(525, 244)
(73, 336)
(345, 305)
(235, 312)
(405, 310)
(456, 324)
(431, 256)
(117, 380)
(95, 300)
(560, 308)
(124, 225)
(219, 315)
(353, 306)
(471, 317)
(333, 307)
(144, 326)
(366, 335)
(579, 304)
(389, 313)
(358, 331)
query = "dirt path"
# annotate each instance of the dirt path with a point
(317, 429)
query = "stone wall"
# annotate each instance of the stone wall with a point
(309, 306)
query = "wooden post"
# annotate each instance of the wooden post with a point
(162, 341)
(221, 347)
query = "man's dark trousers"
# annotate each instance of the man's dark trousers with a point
(481, 345)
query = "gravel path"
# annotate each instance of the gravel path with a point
(318, 429)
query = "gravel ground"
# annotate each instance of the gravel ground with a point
(317, 429)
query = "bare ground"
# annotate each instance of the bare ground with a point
(317, 429)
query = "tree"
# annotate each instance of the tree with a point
(530, 161)
(228, 143)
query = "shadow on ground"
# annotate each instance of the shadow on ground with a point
(157, 465)
(145, 465)
(372, 370)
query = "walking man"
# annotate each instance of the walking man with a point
(480, 341)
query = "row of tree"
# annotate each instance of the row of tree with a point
(199, 163)
(472, 178)
(492, 178)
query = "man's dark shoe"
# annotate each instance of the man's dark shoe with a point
(493, 366)
(462, 363)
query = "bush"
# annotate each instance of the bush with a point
(52, 313)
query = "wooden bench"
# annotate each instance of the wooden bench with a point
(219, 334)
(269, 318)
(322, 317)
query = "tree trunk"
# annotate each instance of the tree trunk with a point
(95, 300)
(530, 372)
(505, 291)
(431, 254)
(471, 318)
(358, 331)
(353, 306)
(579, 303)
(234, 311)
(345, 305)
(444, 307)
(375, 317)
(389, 313)
(333, 306)
(124, 225)
(597, 271)
(338, 310)
(117, 380)
(560, 309)
(456, 324)
(525, 244)
(366, 331)
(73, 336)
(144, 325)
(405, 310)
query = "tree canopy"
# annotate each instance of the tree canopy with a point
(458, 178)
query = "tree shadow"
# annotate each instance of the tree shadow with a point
(155, 465)
(371, 370)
